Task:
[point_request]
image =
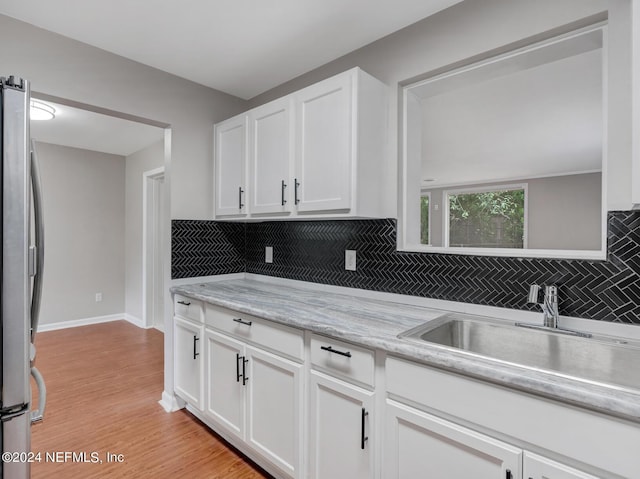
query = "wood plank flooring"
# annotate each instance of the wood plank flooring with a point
(103, 386)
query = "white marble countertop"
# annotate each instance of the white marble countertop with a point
(376, 324)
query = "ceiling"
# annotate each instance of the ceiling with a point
(93, 131)
(537, 122)
(241, 47)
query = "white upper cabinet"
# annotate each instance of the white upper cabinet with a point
(319, 152)
(230, 166)
(271, 156)
(324, 145)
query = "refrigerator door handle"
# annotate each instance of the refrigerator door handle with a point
(39, 240)
(38, 415)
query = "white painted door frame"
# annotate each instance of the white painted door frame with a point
(147, 262)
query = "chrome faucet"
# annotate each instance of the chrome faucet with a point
(549, 304)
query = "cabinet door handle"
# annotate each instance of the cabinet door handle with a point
(195, 346)
(283, 185)
(238, 375)
(241, 321)
(184, 303)
(295, 191)
(509, 475)
(244, 372)
(335, 351)
(240, 191)
(363, 438)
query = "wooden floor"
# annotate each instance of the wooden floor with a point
(103, 386)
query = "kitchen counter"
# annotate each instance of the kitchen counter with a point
(376, 324)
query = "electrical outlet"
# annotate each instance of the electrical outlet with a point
(350, 260)
(268, 254)
(98, 297)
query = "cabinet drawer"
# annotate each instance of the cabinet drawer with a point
(281, 339)
(343, 359)
(187, 308)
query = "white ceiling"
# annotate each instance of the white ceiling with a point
(242, 47)
(92, 131)
(542, 121)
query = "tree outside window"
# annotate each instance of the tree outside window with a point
(424, 219)
(487, 219)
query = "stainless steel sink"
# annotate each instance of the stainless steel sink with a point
(600, 359)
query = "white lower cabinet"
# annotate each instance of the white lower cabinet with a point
(340, 431)
(188, 361)
(256, 396)
(538, 467)
(225, 392)
(422, 445)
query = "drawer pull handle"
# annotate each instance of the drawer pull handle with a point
(185, 303)
(241, 321)
(244, 372)
(282, 187)
(331, 350)
(195, 346)
(240, 203)
(509, 475)
(238, 375)
(363, 438)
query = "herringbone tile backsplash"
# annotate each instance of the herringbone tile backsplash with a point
(314, 251)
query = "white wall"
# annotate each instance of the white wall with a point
(62, 67)
(137, 163)
(474, 27)
(83, 206)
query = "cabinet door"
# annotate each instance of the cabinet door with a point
(422, 445)
(274, 409)
(538, 467)
(188, 371)
(271, 156)
(340, 429)
(325, 146)
(225, 389)
(230, 159)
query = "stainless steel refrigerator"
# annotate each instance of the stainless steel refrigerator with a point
(22, 266)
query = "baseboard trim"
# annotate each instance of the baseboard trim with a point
(135, 321)
(88, 321)
(170, 402)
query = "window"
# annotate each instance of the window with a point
(493, 217)
(424, 218)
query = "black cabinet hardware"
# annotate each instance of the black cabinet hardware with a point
(335, 351)
(283, 186)
(244, 372)
(195, 346)
(238, 375)
(363, 438)
(241, 321)
(509, 475)
(184, 303)
(296, 200)
(240, 191)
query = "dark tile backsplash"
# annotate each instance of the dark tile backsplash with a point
(314, 251)
(206, 248)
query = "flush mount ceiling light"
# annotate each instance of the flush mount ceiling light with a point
(41, 111)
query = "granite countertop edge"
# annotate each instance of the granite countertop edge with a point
(338, 316)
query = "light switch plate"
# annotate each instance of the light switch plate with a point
(350, 260)
(268, 254)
